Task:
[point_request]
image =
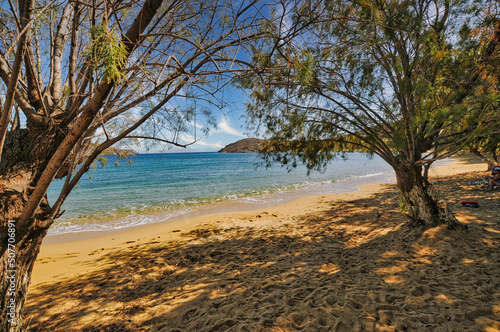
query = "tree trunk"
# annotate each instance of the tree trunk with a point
(17, 254)
(22, 160)
(490, 162)
(419, 200)
(16, 264)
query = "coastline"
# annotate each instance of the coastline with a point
(322, 262)
(158, 188)
(252, 203)
(57, 259)
(247, 203)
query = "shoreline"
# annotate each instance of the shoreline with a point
(256, 202)
(58, 259)
(158, 188)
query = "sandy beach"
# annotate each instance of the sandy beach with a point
(340, 262)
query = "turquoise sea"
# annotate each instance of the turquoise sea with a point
(158, 187)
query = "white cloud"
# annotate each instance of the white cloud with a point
(212, 145)
(224, 126)
(197, 125)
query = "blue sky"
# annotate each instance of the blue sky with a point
(230, 123)
(230, 128)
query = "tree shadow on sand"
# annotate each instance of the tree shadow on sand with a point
(353, 267)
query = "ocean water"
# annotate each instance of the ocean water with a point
(158, 187)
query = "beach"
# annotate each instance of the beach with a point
(332, 262)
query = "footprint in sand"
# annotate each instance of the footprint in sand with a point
(298, 319)
(331, 298)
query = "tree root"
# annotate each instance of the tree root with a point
(449, 218)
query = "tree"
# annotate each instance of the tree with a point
(487, 144)
(487, 149)
(79, 76)
(382, 77)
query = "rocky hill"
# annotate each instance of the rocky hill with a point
(247, 145)
(119, 152)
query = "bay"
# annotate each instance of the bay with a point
(157, 187)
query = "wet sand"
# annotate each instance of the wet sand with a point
(341, 262)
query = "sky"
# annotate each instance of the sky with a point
(230, 128)
(230, 120)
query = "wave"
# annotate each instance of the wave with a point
(143, 214)
(159, 190)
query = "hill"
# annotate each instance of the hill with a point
(247, 145)
(119, 152)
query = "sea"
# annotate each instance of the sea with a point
(151, 188)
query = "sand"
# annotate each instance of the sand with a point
(343, 262)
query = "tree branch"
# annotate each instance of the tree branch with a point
(14, 77)
(131, 40)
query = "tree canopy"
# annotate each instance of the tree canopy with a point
(412, 81)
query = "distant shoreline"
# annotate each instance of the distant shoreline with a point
(246, 145)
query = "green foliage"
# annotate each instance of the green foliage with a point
(102, 161)
(304, 68)
(392, 78)
(107, 52)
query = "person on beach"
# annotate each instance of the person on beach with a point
(494, 178)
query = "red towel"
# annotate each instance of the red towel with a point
(474, 204)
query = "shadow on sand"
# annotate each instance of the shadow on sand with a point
(353, 267)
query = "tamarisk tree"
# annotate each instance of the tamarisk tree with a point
(487, 144)
(382, 77)
(79, 76)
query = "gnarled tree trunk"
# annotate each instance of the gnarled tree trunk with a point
(16, 264)
(419, 199)
(25, 154)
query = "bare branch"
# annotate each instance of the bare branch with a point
(14, 77)
(28, 24)
(62, 34)
(131, 39)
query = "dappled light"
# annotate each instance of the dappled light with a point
(348, 268)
